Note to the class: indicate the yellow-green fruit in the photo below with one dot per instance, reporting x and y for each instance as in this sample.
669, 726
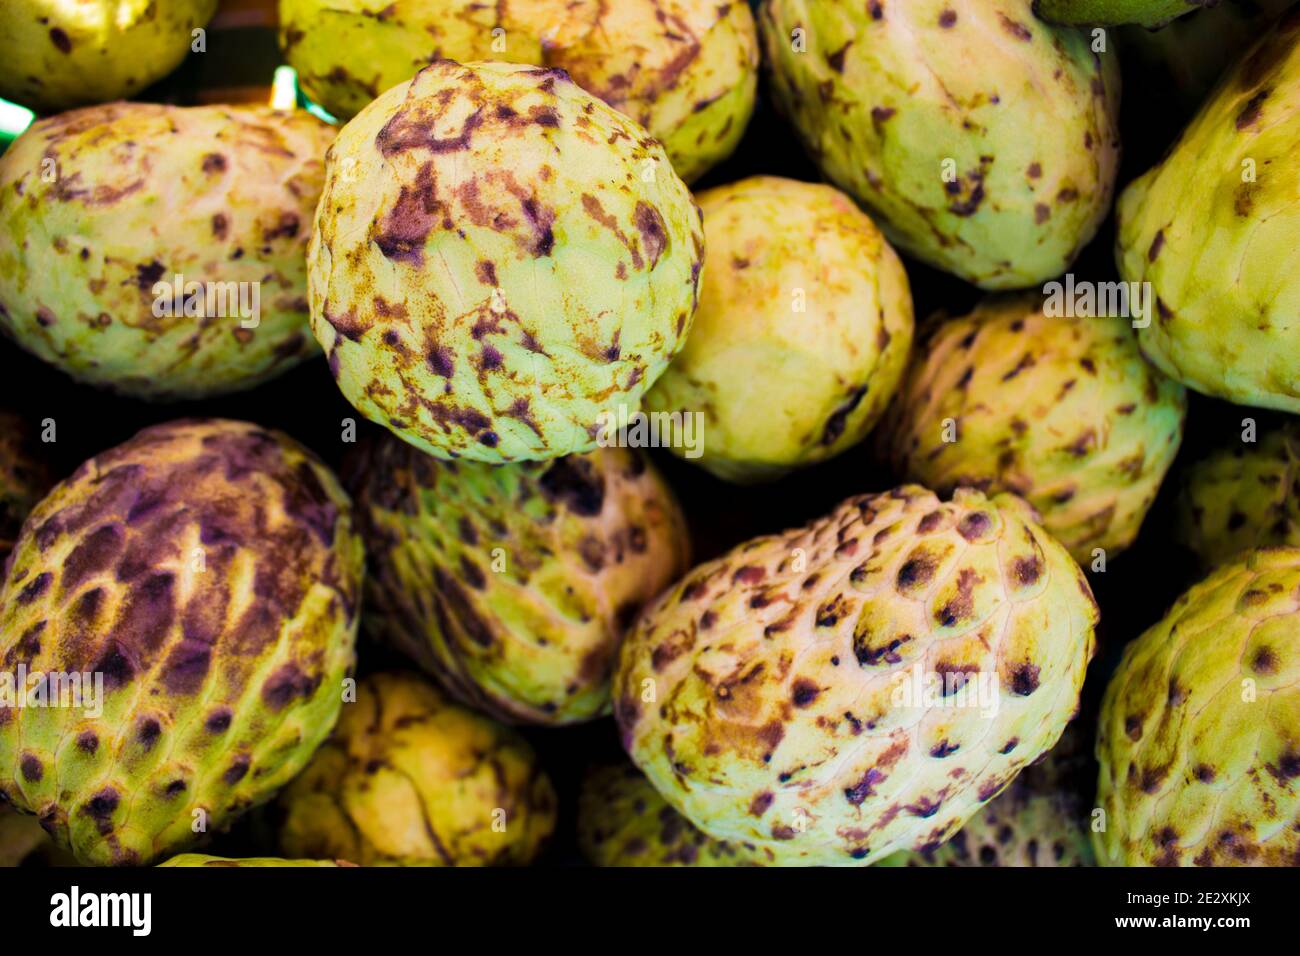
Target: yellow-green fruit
55, 54
513, 584
861, 685
1213, 230
686, 70
411, 779
500, 263
1062, 411
801, 336
1040, 820
623, 821
159, 250
24, 479
1108, 13
930, 113
1199, 738
198, 586
257, 862
1241, 497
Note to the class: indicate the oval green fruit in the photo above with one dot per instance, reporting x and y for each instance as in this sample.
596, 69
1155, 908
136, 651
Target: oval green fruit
500, 261
929, 112
802, 333
201, 585
1213, 230
686, 70
56, 54
1110, 13
861, 685
159, 250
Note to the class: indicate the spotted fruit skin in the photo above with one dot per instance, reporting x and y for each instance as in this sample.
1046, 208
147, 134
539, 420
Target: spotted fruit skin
1041, 820
772, 695
923, 110
410, 778
623, 821
208, 571
1220, 257
686, 70
1062, 411
24, 478
514, 584
1241, 497
802, 333
56, 54
499, 260
1199, 736
256, 862
1109, 13
102, 208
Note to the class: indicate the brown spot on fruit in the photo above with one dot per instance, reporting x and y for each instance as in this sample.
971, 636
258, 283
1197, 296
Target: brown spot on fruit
60, 39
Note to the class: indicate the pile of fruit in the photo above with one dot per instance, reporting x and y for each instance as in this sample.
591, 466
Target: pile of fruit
521, 444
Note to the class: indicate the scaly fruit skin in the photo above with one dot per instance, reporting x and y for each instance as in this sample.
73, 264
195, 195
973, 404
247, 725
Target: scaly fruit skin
686, 70
781, 388
772, 695
1220, 256
1040, 820
255, 862
208, 571
623, 821
411, 779
513, 585
500, 259
1061, 411
56, 54
100, 210
1199, 737
887, 97
1110, 13
24, 479
1242, 497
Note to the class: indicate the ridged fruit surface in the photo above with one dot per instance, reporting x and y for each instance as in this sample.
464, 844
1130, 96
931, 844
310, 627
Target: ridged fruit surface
514, 584
24, 478
410, 778
1199, 737
207, 571
500, 259
801, 336
1062, 411
623, 821
931, 112
1213, 229
686, 70
101, 209
56, 54
861, 685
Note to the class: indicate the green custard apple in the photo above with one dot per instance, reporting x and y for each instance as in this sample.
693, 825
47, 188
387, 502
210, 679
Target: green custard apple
932, 114
195, 591
623, 821
1199, 737
1041, 819
514, 584
160, 250
1061, 411
56, 54
24, 478
1213, 230
412, 779
686, 70
864, 684
1109, 13
1242, 497
198, 859
500, 263
802, 333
